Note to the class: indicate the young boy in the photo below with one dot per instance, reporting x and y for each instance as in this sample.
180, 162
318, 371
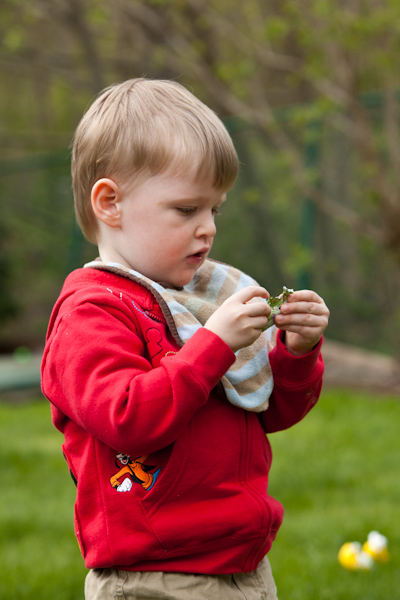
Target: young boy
158, 370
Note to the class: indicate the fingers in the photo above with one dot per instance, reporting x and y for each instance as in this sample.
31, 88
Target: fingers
252, 305
310, 330
241, 318
248, 293
255, 309
258, 323
249, 303
304, 317
303, 307
307, 296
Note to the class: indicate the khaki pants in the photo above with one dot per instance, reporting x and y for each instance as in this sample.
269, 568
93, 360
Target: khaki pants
109, 584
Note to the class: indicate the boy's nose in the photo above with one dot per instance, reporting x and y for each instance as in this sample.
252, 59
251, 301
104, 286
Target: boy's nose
207, 227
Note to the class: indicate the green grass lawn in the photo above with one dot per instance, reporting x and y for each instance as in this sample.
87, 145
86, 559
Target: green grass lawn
39, 556
337, 474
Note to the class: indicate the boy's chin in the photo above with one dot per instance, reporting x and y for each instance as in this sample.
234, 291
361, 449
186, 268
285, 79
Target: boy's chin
178, 282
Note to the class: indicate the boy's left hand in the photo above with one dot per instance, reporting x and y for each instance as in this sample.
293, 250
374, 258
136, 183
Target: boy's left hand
304, 318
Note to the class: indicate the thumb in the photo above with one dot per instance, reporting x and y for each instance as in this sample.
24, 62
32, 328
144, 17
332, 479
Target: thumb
249, 293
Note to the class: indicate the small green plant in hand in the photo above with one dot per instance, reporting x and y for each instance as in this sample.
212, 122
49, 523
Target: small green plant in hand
275, 303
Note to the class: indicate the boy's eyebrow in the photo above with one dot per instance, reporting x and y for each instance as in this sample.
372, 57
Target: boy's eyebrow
185, 198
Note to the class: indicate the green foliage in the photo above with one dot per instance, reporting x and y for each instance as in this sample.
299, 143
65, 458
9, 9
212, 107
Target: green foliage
275, 302
298, 73
299, 260
276, 29
40, 244
8, 304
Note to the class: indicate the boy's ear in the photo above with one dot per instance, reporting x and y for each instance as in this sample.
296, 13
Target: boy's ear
106, 198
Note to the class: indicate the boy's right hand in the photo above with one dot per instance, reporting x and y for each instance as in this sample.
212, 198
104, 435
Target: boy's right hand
241, 318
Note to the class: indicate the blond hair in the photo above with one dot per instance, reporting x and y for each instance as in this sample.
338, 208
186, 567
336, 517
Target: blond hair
142, 127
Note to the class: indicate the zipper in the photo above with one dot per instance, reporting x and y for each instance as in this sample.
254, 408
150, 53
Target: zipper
147, 313
155, 317
260, 499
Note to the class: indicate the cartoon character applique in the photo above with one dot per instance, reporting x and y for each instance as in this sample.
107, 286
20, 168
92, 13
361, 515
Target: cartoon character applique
135, 471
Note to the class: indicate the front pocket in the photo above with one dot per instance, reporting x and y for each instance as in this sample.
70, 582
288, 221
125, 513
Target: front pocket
78, 532
77, 525
199, 495
169, 478
70, 466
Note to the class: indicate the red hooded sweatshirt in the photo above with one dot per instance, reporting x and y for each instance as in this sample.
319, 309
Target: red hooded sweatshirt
170, 476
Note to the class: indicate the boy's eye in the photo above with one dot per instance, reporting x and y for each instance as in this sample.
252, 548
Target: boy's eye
186, 210
190, 210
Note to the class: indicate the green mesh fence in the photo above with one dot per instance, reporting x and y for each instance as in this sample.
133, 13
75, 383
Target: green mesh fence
267, 229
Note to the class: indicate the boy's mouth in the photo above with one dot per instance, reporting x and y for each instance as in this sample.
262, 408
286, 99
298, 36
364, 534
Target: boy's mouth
198, 256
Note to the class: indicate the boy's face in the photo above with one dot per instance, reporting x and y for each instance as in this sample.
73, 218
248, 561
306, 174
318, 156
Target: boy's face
167, 227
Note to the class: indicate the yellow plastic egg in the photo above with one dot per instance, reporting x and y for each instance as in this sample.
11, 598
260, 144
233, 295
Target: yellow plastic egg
377, 547
351, 556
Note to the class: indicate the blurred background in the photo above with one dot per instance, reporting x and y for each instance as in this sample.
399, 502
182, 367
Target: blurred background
308, 90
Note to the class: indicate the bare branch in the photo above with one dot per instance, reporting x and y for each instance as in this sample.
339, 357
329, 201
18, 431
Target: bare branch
261, 115
392, 120
75, 15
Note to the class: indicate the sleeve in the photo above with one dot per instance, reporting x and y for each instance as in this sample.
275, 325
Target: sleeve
297, 386
95, 372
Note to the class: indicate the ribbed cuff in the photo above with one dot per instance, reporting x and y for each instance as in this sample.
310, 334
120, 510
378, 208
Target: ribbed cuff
295, 369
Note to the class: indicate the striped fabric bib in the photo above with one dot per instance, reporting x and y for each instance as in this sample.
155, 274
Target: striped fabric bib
248, 383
